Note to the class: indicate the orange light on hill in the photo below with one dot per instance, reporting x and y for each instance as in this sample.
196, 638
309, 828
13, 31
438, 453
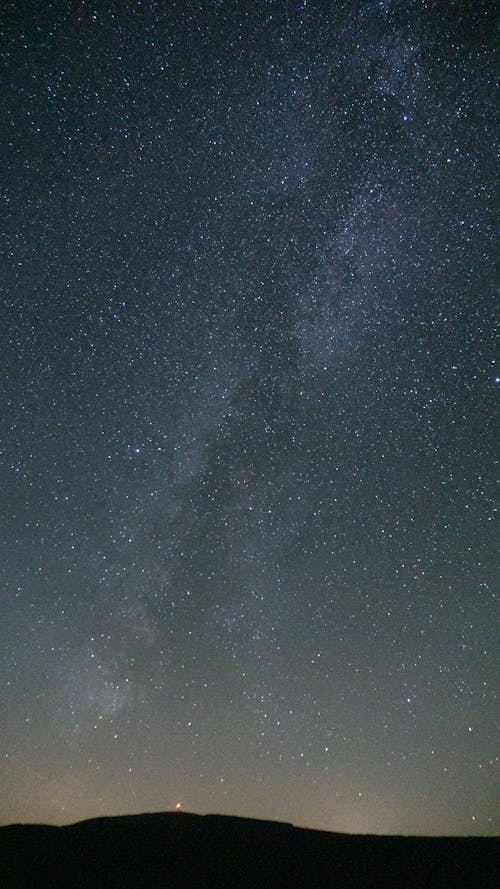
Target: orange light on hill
177, 806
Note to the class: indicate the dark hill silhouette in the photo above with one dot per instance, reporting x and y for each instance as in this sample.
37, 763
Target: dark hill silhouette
177, 850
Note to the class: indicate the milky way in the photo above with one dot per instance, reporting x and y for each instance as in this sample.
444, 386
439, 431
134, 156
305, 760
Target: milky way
248, 474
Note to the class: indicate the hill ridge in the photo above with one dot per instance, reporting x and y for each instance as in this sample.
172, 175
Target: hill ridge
166, 850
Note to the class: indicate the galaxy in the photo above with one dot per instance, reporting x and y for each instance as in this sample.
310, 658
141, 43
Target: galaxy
249, 390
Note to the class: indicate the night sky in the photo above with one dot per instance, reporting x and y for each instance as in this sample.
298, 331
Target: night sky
248, 401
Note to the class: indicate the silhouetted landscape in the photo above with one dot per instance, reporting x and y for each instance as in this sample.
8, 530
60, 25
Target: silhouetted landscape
170, 850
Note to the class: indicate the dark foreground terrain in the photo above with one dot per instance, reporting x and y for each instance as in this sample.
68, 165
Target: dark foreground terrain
183, 851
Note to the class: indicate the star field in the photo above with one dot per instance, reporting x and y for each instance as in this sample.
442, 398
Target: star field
248, 450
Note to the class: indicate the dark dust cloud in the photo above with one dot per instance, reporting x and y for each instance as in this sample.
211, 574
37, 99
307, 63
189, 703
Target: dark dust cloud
248, 412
